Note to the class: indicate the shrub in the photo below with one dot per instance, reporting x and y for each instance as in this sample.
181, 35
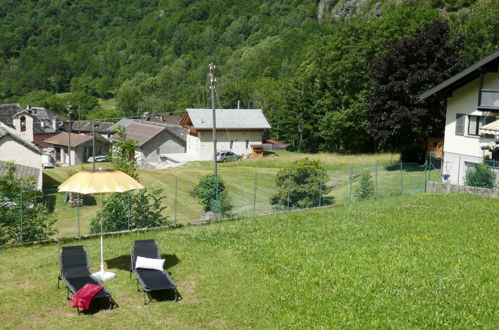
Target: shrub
412, 154
365, 190
143, 209
301, 185
37, 224
482, 176
212, 194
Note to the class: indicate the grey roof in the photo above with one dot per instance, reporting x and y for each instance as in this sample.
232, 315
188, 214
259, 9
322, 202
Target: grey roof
141, 132
174, 129
7, 111
122, 122
42, 119
464, 76
22, 171
86, 126
167, 119
228, 118
4, 132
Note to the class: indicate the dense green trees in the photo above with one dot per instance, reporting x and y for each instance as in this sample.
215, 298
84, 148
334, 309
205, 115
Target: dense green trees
309, 76
396, 115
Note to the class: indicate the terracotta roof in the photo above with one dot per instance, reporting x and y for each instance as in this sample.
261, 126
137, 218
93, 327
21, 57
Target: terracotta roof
62, 139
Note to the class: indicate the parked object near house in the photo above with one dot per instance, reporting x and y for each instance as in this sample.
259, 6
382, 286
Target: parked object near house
237, 130
435, 148
48, 161
227, 156
24, 154
81, 147
275, 145
154, 141
471, 125
256, 151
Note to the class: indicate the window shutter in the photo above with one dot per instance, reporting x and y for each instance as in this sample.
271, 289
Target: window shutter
460, 124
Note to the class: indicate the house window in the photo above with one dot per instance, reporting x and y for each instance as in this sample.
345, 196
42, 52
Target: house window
460, 123
247, 144
470, 166
475, 122
231, 144
23, 123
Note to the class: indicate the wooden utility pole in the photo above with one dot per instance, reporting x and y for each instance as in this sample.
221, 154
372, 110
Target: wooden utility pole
213, 82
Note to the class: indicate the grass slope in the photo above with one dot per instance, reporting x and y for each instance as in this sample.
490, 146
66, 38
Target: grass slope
241, 178
416, 261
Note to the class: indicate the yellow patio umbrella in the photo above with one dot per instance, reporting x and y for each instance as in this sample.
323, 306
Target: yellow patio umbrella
98, 182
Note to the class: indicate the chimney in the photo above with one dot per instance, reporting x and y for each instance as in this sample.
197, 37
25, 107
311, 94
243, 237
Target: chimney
42, 123
54, 124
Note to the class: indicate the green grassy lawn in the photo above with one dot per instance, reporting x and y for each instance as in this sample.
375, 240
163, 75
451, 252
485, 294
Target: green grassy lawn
250, 184
414, 261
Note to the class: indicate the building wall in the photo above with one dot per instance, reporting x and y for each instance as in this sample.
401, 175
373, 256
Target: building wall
12, 150
28, 133
38, 138
163, 143
81, 153
462, 152
201, 146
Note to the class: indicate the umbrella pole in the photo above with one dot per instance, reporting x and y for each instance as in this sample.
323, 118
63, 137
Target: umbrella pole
101, 248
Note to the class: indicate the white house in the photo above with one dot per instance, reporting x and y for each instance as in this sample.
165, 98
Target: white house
81, 147
23, 153
236, 130
471, 125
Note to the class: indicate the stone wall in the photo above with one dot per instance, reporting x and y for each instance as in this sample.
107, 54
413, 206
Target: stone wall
441, 187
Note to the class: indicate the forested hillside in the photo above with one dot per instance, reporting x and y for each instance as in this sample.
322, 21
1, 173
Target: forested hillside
310, 65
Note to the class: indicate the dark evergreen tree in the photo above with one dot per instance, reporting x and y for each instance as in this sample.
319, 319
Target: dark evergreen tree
397, 117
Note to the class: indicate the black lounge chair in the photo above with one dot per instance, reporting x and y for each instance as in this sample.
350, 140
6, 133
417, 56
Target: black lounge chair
75, 272
150, 280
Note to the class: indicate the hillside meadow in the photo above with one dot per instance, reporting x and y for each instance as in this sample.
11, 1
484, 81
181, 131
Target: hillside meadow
250, 184
415, 261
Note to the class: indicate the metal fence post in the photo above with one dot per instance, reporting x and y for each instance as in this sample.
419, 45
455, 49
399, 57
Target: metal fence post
289, 186
78, 213
129, 210
459, 170
21, 213
320, 189
401, 178
376, 181
254, 193
175, 205
350, 183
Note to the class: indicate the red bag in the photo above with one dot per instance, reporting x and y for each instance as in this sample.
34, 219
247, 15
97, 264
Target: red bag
84, 296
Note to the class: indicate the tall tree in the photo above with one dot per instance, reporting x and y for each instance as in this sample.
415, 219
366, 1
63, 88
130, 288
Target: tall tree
397, 117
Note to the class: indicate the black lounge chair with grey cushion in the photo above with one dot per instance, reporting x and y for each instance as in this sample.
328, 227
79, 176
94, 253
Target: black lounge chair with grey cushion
150, 280
75, 272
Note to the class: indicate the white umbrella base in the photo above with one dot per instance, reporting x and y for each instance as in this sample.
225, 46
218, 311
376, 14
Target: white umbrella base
103, 276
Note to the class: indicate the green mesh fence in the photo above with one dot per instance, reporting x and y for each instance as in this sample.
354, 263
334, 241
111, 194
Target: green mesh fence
250, 193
